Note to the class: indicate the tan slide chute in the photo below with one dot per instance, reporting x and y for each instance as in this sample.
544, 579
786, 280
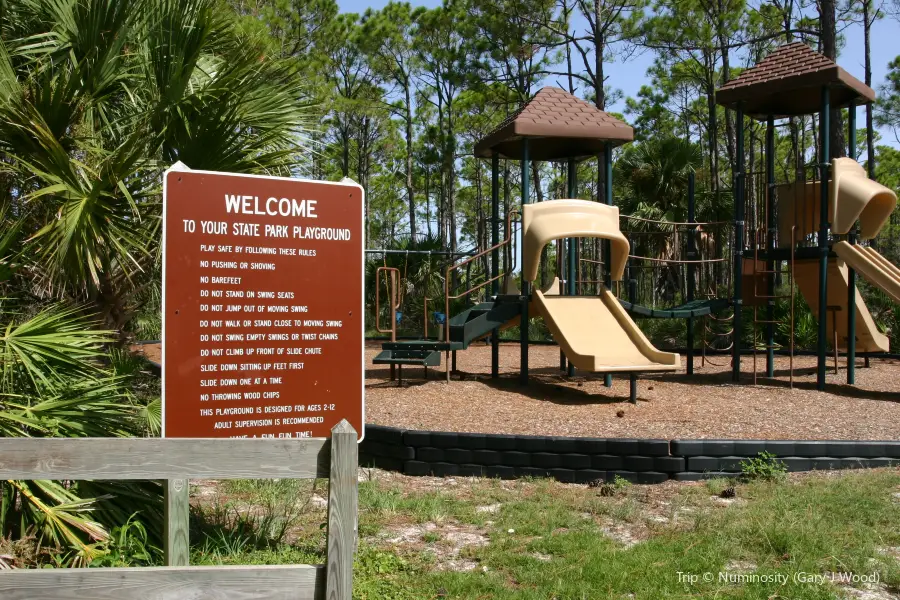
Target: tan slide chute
595, 333
871, 265
547, 221
806, 276
852, 196
598, 336
881, 260
855, 196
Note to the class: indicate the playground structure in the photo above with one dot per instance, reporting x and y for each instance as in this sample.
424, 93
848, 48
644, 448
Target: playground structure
803, 233
568, 129
810, 224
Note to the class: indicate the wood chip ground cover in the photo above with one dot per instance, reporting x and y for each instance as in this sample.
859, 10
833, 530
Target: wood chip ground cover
706, 405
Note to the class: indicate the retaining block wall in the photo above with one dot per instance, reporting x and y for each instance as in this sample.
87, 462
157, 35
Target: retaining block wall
582, 460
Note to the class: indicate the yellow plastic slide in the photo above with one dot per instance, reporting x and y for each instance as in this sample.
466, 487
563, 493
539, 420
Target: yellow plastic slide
806, 276
598, 336
596, 333
855, 196
882, 261
852, 196
871, 265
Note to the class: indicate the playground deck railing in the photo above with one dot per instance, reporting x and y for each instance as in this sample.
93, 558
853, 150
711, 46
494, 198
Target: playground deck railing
508, 242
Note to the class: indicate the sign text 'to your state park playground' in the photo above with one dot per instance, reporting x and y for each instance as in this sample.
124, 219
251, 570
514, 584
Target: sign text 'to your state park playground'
262, 305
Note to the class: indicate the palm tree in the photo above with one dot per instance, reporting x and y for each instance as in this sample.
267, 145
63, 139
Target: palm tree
97, 98
652, 176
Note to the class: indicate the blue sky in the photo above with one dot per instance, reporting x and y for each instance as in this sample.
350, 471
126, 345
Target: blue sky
631, 75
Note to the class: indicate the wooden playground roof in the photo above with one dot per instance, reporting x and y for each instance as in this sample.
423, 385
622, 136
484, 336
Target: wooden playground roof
789, 81
567, 126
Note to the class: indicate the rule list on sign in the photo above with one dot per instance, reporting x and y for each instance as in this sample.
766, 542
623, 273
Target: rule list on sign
262, 306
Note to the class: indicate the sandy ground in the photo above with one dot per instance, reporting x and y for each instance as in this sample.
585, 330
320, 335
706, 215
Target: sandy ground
706, 405
153, 352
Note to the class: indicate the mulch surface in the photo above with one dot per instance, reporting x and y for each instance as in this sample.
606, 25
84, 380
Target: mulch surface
705, 405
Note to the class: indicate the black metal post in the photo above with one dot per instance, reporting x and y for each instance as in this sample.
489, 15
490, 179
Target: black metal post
495, 257
851, 275
738, 249
770, 246
572, 259
691, 269
607, 166
632, 388
824, 131
523, 325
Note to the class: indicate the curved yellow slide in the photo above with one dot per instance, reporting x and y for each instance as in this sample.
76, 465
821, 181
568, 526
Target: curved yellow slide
598, 336
874, 267
855, 196
547, 221
852, 196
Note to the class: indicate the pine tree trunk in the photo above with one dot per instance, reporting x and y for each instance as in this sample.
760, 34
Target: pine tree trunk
410, 191
870, 138
828, 31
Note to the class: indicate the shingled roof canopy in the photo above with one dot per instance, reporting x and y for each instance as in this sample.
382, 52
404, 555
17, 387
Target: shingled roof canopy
568, 127
788, 82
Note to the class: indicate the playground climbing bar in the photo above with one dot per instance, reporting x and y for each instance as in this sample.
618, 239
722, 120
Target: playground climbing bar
495, 255
770, 247
571, 255
691, 270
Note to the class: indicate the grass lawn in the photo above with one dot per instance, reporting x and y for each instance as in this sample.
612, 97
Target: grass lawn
477, 538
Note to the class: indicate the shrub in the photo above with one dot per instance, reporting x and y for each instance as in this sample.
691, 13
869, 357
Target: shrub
765, 466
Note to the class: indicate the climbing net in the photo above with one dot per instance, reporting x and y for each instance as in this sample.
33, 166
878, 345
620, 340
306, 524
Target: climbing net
674, 267
672, 260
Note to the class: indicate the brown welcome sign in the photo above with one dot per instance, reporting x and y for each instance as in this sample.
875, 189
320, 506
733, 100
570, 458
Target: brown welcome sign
262, 305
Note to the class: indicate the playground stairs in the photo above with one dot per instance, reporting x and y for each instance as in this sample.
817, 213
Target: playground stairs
466, 327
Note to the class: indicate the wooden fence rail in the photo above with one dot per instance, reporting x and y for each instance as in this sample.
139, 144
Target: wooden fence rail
177, 461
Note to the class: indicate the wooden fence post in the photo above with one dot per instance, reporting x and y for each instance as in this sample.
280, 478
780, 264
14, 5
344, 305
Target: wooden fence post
178, 509
342, 512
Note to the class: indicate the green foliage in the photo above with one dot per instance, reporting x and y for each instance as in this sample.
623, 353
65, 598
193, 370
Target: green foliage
654, 178
888, 108
57, 380
554, 540
97, 98
765, 467
380, 574
127, 546
229, 527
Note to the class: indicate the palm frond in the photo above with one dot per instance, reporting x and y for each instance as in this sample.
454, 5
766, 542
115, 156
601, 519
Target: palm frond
50, 348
